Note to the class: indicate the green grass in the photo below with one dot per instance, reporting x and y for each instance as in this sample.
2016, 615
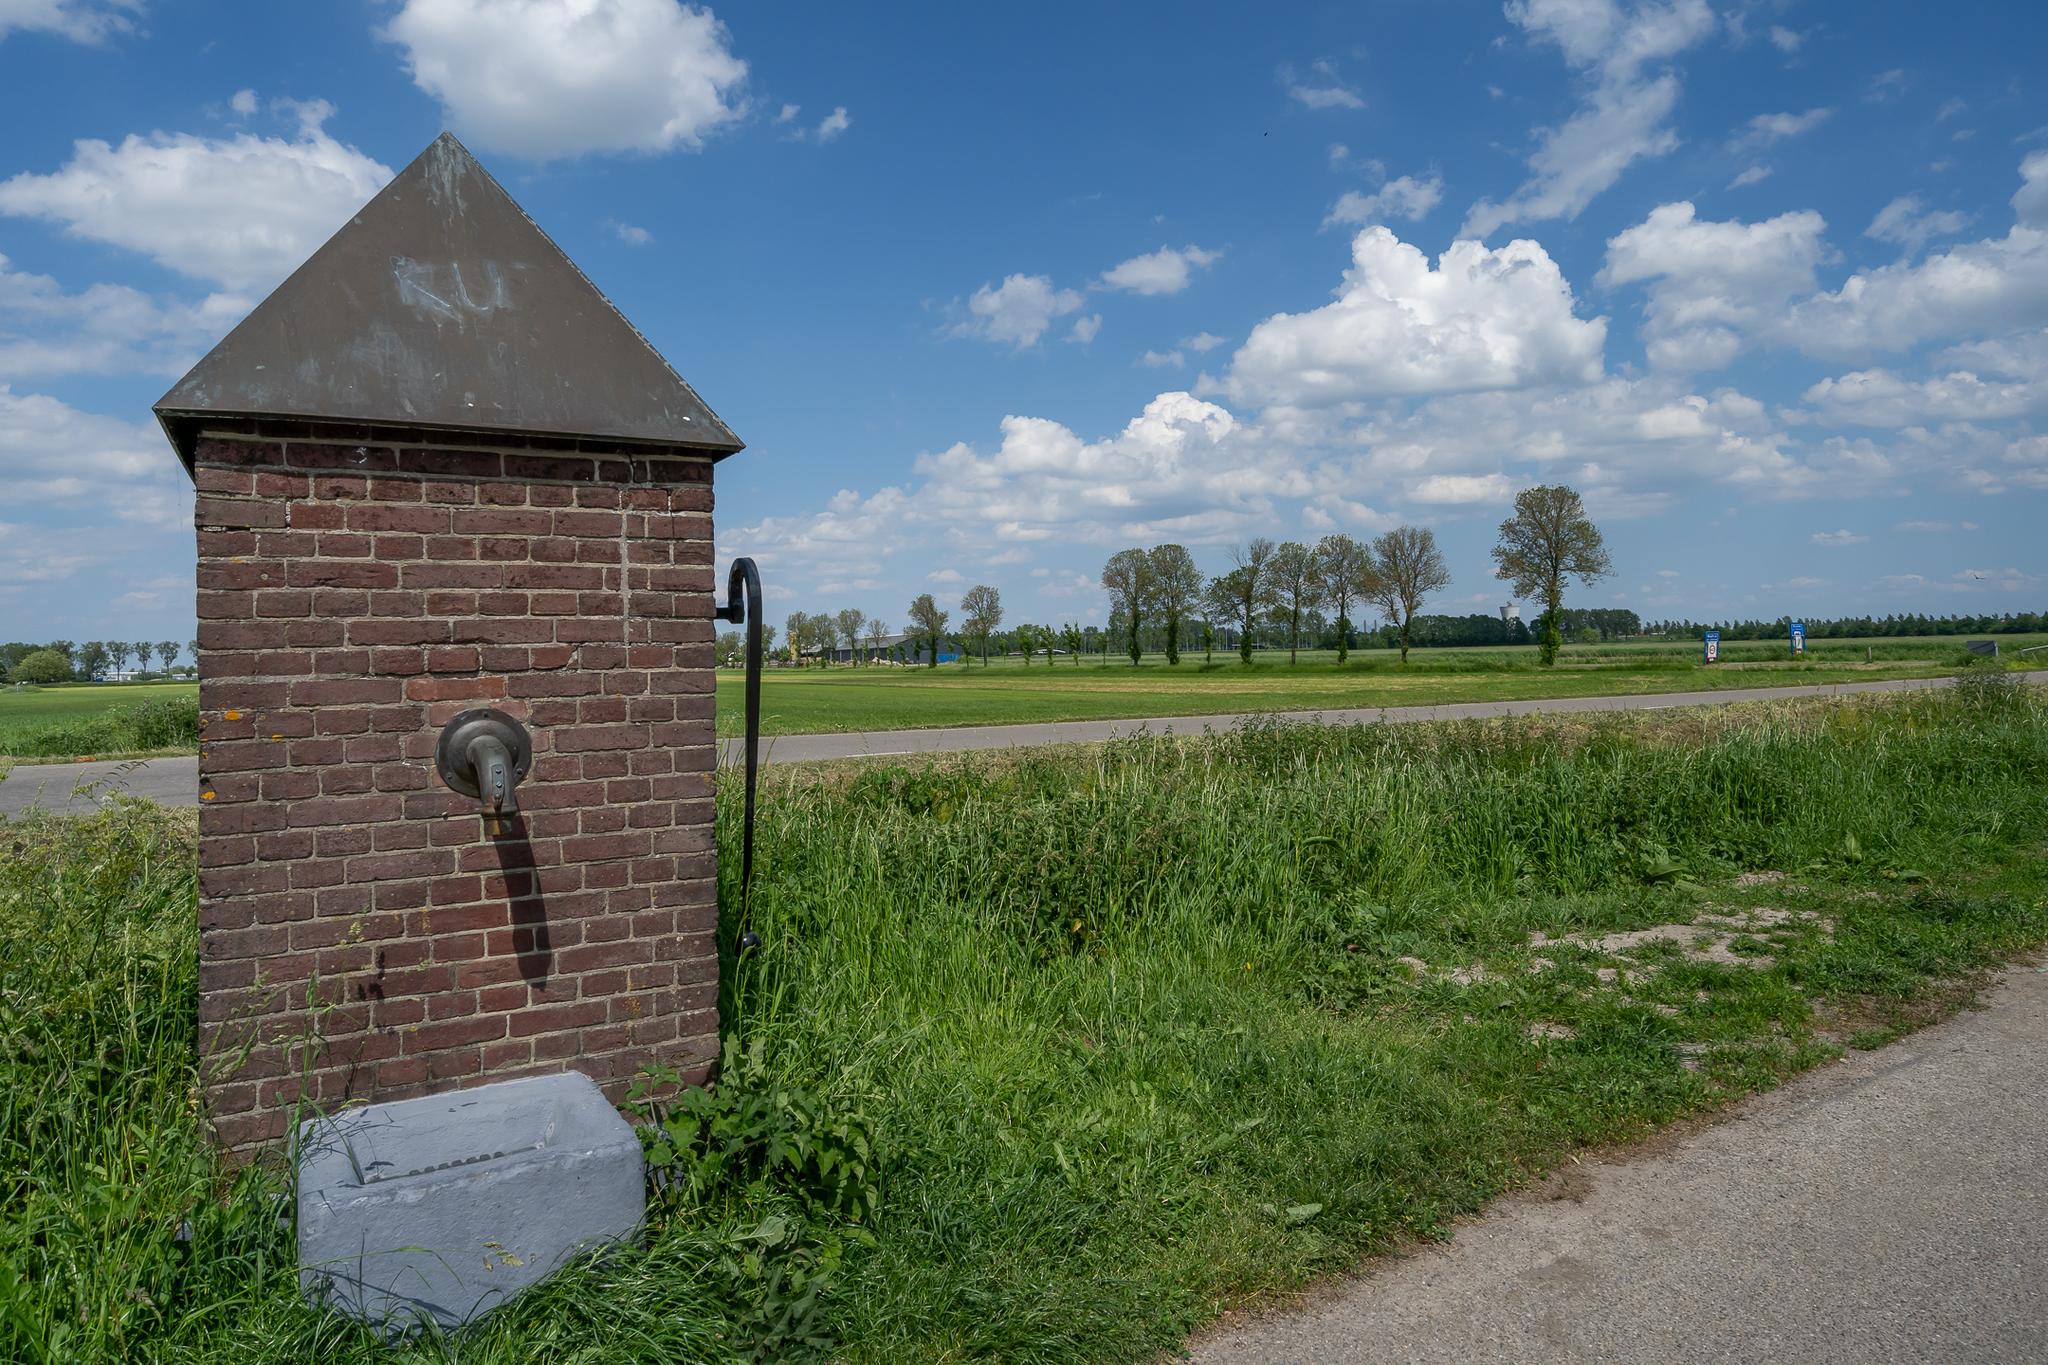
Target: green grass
98, 720
1130, 1026
815, 700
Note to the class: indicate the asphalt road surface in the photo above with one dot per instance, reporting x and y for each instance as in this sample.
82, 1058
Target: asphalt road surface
175, 781
1891, 1207
76, 787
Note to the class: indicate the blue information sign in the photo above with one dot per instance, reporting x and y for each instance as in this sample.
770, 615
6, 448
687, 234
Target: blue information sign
1798, 638
1713, 645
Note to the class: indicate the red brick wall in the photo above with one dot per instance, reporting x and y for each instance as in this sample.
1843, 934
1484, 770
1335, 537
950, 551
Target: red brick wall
359, 934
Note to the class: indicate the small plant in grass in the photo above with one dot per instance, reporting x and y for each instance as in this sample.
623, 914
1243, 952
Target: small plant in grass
795, 1175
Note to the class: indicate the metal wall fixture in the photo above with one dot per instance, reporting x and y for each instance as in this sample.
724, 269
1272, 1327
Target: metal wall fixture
486, 754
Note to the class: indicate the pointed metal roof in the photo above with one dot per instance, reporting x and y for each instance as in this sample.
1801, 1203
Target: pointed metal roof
441, 304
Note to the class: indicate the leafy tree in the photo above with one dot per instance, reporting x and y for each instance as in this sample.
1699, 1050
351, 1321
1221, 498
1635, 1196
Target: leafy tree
1238, 595
928, 621
167, 651
1176, 591
981, 611
1546, 541
767, 641
43, 666
793, 633
877, 633
1344, 568
93, 660
143, 649
193, 645
1026, 638
1406, 568
729, 649
1127, 578
64, 647
1292, 590
117, 650
1070, 636
850, 621
823, 634
1208, 643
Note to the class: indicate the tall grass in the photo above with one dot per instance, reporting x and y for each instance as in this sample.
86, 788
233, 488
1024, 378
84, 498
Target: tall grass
160, 723
1129, 1025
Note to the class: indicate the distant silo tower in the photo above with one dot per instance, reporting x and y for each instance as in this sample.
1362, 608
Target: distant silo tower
1510, 613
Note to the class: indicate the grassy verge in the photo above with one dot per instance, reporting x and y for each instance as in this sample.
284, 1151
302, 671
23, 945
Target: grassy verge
106, 721
1107, 1039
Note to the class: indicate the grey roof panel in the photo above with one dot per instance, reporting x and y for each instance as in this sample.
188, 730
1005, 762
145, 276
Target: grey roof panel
441, 304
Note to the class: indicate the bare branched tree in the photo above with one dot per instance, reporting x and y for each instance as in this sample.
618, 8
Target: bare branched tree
1406, 567
1238, 595
1292, 590
1344, 568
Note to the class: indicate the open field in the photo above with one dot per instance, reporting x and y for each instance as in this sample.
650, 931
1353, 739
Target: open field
101, 720
1111, 1038
816, 700
71, 722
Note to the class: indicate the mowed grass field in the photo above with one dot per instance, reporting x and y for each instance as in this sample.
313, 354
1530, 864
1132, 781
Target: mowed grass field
1099, 1041
71, 721
842, 698
99, 720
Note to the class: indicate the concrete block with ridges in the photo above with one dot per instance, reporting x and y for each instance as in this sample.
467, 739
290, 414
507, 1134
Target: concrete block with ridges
442, 1208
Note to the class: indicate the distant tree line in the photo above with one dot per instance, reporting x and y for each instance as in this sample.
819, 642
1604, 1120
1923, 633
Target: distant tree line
1289, 595
1854, 627
91, 661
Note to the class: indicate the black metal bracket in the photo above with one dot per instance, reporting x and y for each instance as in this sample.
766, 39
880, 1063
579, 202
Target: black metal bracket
743, 607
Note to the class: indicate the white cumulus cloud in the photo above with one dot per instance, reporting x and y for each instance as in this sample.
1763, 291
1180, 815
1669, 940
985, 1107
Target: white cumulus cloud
103, 329
1836, 539
554, 78
1712, 283
1165, 271
243, 211
54, 454
1911, 224
82, 21
1405, 197
1481, 319
1017, 311
1985, 286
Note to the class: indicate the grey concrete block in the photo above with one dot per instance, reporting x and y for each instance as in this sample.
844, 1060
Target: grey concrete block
443, 1208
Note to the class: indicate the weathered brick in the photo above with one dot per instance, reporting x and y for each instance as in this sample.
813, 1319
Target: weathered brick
353, 598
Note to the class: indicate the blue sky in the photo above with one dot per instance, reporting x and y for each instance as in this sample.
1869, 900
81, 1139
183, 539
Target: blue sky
993, 293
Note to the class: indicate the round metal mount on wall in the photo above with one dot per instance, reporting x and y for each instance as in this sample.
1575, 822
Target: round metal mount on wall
452, 755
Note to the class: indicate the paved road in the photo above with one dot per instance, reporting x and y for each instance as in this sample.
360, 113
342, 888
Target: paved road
1890, 1207
75, 786
175, 782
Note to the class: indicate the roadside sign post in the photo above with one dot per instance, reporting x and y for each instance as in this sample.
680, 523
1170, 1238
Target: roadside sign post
1713, 649
1798, 638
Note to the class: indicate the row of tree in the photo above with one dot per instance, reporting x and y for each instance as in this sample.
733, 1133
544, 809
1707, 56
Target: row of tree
1159, 596
68, 661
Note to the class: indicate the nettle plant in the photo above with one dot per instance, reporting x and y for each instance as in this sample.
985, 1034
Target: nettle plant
794, 1175
751, 1136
